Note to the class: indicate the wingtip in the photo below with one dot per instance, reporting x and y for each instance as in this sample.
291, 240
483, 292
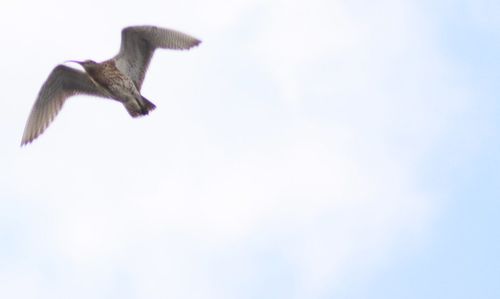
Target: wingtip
195, 43
25, 142
28, 138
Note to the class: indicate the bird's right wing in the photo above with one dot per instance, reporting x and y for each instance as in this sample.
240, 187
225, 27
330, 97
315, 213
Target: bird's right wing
138, 45
62, 83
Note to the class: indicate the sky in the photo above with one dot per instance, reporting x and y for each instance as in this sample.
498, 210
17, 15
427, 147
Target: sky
305, 150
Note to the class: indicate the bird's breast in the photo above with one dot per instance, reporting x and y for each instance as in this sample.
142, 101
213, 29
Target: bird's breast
112, 79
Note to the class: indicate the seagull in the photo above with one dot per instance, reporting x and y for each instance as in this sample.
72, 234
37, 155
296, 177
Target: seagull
119, 78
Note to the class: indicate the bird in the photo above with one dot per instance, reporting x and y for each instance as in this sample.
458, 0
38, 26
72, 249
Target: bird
119, 78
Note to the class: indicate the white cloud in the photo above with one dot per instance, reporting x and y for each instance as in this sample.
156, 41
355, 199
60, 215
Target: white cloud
301, 138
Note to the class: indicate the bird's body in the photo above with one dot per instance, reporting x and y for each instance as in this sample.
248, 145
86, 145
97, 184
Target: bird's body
119, 78
119, 86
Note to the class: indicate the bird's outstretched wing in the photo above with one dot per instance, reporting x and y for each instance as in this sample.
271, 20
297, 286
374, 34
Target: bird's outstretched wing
138, 45
62, 83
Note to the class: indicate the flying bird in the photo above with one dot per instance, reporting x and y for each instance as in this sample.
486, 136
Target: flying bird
119, 78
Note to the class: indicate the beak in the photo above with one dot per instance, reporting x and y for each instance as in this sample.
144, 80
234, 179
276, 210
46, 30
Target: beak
75, 61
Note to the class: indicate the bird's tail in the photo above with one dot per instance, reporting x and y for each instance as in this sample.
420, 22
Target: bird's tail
147, 106
139, 108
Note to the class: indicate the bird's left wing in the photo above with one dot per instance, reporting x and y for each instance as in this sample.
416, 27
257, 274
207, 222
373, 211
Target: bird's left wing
139, 43
62, 83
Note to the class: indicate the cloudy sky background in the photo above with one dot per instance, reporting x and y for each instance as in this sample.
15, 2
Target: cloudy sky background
319, 149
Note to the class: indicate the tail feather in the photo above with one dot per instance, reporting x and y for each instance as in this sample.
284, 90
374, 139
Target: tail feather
139, 108
147, 106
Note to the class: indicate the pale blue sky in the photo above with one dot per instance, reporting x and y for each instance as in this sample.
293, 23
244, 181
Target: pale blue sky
462, 259
339, 149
